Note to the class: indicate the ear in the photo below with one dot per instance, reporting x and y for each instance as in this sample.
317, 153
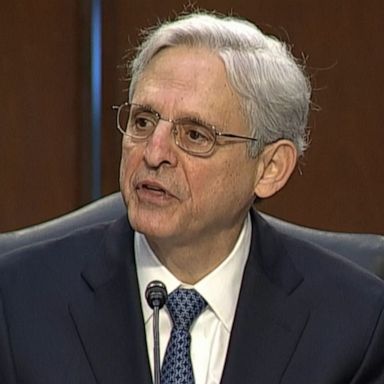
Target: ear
275, 165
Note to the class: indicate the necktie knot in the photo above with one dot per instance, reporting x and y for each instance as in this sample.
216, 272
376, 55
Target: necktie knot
184, 306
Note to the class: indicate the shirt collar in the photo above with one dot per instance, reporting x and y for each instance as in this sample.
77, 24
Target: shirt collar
220, 288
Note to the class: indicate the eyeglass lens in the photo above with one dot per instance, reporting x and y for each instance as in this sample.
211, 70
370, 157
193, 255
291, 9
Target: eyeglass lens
139, 123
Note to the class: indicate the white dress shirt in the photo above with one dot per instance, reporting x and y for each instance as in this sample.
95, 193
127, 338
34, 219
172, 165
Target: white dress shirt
211, 331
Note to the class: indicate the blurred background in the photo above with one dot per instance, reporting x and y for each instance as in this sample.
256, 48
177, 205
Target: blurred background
62, 68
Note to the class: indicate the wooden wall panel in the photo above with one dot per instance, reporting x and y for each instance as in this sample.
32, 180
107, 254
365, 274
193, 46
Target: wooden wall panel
40, 110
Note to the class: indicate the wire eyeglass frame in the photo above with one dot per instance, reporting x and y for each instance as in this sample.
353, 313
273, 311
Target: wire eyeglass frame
201, 142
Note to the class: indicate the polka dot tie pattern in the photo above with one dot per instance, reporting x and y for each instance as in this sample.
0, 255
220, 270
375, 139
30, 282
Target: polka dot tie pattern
184, 306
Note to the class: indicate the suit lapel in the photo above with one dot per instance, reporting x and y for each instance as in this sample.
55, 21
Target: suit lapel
269, 319
108, 316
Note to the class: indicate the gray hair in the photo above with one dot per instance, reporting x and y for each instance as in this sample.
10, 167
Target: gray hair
273, 90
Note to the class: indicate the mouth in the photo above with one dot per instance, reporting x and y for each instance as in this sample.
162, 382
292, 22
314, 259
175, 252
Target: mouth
152, 191
151, 187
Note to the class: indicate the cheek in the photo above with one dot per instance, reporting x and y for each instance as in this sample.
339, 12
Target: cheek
208, 183
231, 184
130, 159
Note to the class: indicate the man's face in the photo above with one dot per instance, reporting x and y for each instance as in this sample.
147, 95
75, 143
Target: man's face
170, 194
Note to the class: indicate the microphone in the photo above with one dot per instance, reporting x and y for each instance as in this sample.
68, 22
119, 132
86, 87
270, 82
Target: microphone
156, 295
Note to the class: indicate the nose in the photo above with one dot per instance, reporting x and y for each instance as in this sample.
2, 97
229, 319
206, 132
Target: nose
160, 148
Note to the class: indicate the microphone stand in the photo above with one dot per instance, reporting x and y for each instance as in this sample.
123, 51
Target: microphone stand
156, 343
156, 295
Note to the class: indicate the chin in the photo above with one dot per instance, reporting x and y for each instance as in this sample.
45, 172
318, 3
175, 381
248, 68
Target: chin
151, 224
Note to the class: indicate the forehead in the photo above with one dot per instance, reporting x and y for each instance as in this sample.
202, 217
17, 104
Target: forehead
185, 79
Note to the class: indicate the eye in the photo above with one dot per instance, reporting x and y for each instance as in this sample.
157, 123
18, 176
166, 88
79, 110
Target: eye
195, 134
143, 122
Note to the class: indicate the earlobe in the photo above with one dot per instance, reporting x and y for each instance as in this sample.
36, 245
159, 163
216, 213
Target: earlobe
276, 164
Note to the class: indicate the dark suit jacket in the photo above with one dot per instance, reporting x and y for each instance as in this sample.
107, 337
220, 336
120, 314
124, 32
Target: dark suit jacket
70, 313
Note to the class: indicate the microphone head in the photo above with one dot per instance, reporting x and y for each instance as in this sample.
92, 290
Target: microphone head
156, 294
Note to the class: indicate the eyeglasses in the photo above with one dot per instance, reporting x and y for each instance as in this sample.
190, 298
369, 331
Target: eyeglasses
190, 134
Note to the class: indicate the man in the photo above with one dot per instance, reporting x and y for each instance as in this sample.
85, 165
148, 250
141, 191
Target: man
216, 118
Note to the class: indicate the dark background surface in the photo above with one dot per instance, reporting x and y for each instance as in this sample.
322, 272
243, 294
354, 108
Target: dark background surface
45, 104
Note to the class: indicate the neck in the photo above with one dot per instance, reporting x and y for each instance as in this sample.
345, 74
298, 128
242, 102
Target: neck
191, 262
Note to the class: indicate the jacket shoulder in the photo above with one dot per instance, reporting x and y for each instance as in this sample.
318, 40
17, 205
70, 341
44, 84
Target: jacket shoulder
66, 255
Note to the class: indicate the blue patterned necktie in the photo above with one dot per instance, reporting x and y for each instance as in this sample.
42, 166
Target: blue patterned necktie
184, 305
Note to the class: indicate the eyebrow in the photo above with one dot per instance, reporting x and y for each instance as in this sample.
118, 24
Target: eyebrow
192, 116
146, 107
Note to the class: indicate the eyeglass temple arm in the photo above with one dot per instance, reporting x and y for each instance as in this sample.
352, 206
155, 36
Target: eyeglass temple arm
236, 136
